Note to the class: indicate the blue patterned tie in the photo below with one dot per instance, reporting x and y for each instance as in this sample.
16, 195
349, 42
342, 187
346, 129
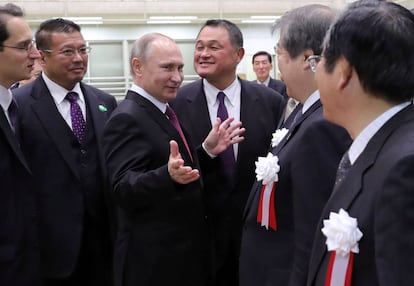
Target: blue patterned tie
78, 123
227, 159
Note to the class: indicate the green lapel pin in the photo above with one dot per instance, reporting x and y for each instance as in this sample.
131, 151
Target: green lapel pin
102, 108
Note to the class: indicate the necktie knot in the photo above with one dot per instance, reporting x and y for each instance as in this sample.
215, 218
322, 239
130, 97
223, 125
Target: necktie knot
220, 97
72, 97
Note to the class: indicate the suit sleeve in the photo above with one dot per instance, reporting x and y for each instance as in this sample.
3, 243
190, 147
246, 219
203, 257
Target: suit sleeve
137, 162
394, 225
318, 155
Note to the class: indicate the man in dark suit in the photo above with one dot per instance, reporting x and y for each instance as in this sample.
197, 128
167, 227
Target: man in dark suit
277, 236
367, 86
62, 143
218, 50
162, 237
262, 65
19, 257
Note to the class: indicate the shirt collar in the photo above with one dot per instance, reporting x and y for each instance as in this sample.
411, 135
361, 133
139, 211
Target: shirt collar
231, 91
5, 97
361, 141
266, 82
160, 105
314, 97
58, 92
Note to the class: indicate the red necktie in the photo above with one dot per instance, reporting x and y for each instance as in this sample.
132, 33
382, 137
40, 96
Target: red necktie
174, 121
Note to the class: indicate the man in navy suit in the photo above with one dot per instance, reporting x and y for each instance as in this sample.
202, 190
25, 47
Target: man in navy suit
218, 51
154, 171
366, 79
69, 171
262, 64
19, 257
277, 236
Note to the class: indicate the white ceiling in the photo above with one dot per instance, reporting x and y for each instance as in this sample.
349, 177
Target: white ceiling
138, 11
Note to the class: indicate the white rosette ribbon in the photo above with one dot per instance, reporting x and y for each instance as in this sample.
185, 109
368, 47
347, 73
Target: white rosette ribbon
342, 236
267, 169
278, 135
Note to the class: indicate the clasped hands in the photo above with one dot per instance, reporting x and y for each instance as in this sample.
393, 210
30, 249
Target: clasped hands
221, 136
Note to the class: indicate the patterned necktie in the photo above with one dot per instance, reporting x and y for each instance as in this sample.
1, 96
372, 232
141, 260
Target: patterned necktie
78, 123
343, 169
174, 121
227, 159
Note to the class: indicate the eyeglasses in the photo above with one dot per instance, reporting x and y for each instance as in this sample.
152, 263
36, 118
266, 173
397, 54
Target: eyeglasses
28, 46
72, 52
313, 61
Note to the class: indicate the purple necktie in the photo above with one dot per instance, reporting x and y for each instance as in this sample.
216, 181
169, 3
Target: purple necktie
174, 121
227, 156
78, 123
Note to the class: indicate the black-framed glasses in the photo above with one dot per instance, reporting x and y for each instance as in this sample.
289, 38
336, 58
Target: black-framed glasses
313, 61
69, 52
27, 46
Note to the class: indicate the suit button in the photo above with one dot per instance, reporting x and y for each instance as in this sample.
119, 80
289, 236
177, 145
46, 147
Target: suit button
83, 151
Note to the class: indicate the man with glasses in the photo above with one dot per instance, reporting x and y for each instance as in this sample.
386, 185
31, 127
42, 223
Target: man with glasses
19, 258
366, 81
61, 127
277, 235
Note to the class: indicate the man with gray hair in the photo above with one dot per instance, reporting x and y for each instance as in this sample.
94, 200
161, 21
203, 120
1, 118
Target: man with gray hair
280, 216
162, 237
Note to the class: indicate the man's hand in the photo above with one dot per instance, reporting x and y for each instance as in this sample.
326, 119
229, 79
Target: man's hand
178, 172
222, 135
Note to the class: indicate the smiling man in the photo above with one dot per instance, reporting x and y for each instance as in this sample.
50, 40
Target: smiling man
61, 126
218, 51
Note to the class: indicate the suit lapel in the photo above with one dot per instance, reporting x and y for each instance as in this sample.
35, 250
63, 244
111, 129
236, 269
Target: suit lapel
198, 109
163, 122
351, 186
53, 122
292, 131
99, 114
11, 138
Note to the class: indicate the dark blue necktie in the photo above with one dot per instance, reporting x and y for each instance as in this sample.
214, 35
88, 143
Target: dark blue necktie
78, 123
226, 158
13, 115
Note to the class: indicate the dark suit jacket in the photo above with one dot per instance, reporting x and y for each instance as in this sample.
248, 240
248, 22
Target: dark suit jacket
48, 144
19, 258
261, 109
308, 158
162, 232
378, 192
278, 86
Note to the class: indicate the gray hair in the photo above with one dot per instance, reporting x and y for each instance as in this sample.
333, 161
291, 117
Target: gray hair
304, 28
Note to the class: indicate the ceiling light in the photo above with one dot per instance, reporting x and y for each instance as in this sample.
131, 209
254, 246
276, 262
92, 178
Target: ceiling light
173, 18
168, 22
270, 17
257, 21
86, 20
